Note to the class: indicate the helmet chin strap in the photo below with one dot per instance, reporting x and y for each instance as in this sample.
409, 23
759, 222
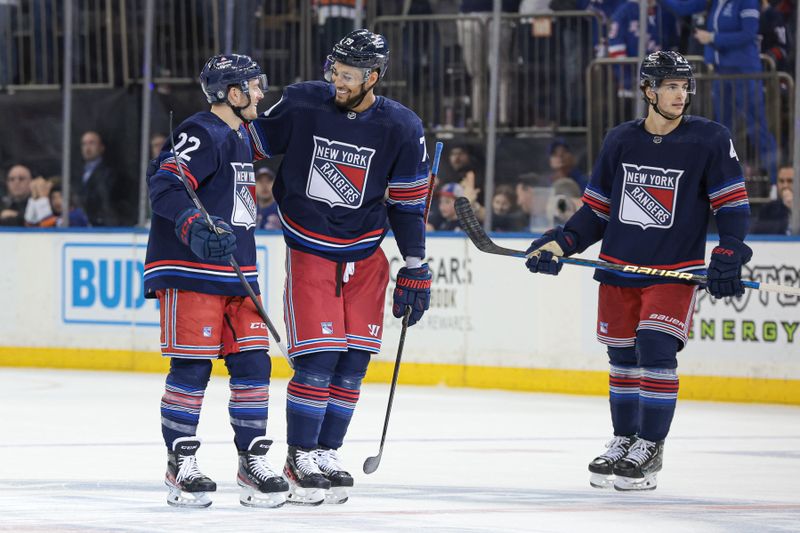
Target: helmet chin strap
238, 110
685, 107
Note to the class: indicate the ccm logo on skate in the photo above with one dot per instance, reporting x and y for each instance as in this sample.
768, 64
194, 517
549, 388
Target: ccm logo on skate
102, 284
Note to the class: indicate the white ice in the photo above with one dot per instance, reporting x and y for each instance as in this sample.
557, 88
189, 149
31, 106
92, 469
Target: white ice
82, 451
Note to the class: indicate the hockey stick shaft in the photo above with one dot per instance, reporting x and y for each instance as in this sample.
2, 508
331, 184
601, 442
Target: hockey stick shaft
371, 463
234, 264
484, 243
437, 156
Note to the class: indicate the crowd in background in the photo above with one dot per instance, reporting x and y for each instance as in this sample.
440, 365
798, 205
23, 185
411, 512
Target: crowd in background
529, 201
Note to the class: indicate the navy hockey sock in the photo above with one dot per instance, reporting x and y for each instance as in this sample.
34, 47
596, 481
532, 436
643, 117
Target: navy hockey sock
623, 397
657, 399
345, 389
342, 403
306, 402
249, 403
183, 398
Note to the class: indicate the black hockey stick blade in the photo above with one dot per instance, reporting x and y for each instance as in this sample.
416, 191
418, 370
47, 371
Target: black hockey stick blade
475, 232
371, 463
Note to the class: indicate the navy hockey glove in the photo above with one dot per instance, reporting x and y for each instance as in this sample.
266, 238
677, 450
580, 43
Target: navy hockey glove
725, 267
413, 289
193, 230
555, 242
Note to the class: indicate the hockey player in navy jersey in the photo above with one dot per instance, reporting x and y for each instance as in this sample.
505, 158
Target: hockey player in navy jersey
205, 311
648, 200
343, 148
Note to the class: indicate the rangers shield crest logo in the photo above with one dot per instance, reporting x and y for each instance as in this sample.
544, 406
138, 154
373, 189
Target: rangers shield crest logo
648, 196
244, 195
338, 173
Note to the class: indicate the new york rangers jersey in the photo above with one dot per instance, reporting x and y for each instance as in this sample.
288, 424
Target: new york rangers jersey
218, 163
332, 183
650, 196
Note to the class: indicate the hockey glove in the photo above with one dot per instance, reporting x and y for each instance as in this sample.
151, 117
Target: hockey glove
413, 289
554, 243
725, 267
194, 231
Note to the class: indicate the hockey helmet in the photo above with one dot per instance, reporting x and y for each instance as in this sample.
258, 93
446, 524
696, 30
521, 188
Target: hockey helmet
665, 65
361, 49
222, 71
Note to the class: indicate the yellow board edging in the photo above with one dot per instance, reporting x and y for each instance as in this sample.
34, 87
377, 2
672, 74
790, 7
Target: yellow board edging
731, 389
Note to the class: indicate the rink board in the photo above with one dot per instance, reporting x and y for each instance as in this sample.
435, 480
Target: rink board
74, 300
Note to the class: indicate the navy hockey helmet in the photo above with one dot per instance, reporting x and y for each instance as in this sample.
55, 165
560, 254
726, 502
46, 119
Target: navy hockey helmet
361, 49
222, 71
665, 65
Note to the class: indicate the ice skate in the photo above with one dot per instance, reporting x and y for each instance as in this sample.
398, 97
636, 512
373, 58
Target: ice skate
307, 484
602, 467
638, 469
187, 485
331, 467
261, 485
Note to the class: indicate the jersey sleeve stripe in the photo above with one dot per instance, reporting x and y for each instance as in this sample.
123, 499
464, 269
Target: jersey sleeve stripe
731, 195
168, 165
600, 204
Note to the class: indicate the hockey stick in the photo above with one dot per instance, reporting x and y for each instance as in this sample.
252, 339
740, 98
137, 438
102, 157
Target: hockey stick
475, 232
371, 463
234, 264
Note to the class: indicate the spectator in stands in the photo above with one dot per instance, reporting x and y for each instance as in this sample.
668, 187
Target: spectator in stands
774, 216
97, 181
46, 206
18, 192
776, 37
157, 141
38, 207
623, 40
473, 37
465, 170
506, 215
731, 46
564, 164
267, 207
533, 192
447, 195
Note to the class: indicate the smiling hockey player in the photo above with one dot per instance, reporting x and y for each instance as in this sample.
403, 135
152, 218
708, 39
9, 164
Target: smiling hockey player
343, 148
205, 311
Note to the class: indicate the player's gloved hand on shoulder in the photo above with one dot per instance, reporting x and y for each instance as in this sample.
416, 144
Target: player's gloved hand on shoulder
193, 230
554, 243
725, 267
413, 289
152, 167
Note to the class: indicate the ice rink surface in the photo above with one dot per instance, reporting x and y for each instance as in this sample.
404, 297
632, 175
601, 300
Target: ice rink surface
82, 451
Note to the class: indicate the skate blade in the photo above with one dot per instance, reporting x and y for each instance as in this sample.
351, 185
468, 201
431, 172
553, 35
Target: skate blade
601, 481
179, 498
300, 496
629, 484
336, 495
252, 498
